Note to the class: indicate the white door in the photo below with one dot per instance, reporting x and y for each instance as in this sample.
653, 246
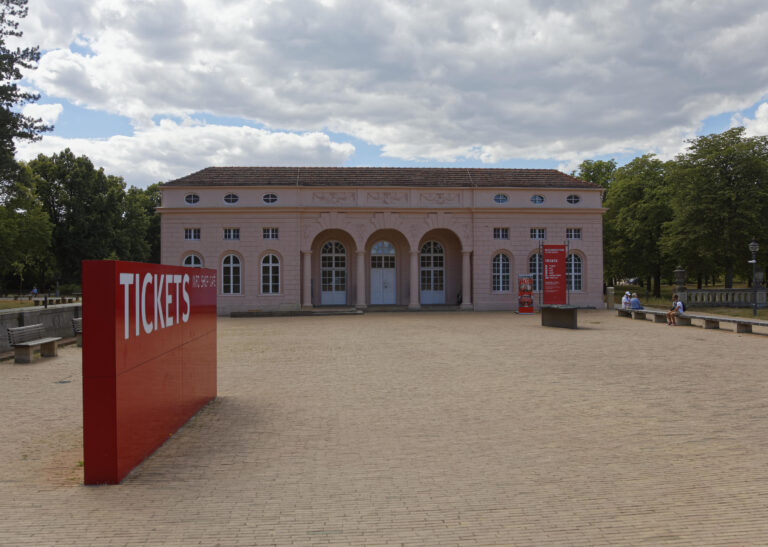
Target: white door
333, 274
383, 288
432, 273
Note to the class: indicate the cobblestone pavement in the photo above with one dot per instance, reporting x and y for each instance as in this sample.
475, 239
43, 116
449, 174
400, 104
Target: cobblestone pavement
418, 429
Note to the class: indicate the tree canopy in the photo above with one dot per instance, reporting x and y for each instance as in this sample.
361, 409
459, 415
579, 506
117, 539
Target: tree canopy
13, 124
698, 211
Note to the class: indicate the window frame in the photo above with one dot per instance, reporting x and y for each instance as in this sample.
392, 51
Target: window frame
573, 233
536, 270
501, 280
268, 276
232, 232
537, 199
227, 287
196, 257
267, 232
501, 233
192, 198
571, 276
573, 199
229, 195
195, 234
500, 199
534, 234
269, 198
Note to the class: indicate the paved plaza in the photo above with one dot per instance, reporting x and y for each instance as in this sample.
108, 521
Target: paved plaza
417, 429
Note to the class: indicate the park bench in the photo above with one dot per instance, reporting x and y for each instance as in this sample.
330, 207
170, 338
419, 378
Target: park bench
25, 339
743, 325
77, 326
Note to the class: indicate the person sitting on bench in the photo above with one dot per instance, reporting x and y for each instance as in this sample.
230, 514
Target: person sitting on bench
634, 302
677, 309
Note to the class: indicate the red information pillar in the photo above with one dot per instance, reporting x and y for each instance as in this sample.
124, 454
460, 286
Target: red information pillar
525, 293
149, 359
554, 274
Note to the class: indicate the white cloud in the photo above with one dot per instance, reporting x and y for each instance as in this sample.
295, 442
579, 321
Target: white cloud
170, 150
49, 113
756, 126
435, 80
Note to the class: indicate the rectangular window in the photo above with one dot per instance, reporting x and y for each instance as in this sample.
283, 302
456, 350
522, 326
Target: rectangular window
538, 233
501, 233
191, 233
231, 233
269, 233
573, 233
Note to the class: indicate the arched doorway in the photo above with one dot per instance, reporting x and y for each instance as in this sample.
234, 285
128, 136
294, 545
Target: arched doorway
383, 273
333, 274
432, 273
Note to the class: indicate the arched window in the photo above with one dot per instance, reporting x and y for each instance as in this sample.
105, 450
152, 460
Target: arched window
501, 273
573, 272
193, 261
535, 268
270, 274
230, 275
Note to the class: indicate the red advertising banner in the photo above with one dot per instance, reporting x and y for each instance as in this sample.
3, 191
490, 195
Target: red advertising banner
554, 274
149, 359
525, 293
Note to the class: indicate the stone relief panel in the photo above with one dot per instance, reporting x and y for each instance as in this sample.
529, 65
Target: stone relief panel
440, 199
334, 198
387, 198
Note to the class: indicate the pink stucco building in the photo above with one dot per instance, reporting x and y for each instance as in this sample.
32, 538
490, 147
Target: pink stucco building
291, 238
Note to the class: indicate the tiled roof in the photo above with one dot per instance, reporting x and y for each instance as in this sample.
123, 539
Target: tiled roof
380, 176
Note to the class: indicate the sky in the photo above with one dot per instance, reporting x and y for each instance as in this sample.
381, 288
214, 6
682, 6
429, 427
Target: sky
153, 90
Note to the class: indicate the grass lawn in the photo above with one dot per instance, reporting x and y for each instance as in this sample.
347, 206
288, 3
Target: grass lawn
10, 304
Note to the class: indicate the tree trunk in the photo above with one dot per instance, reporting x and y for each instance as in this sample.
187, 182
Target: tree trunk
729, 276
698, 282
657, 284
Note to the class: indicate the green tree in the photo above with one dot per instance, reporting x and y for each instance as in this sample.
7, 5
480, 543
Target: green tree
638, 206
719, 199
25, 233
598, 171
13, 124
86, 207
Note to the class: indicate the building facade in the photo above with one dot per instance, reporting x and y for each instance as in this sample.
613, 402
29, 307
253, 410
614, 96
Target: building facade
288, 238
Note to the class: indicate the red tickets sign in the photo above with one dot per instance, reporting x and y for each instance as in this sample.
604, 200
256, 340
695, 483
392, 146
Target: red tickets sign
149, 359
525, 294
554, 274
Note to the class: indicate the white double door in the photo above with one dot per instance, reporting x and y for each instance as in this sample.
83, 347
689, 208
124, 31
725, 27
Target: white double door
383, 278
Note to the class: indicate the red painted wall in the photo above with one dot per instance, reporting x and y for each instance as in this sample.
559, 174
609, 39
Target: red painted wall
149, 359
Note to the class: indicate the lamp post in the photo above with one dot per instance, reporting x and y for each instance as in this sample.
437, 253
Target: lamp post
754, 247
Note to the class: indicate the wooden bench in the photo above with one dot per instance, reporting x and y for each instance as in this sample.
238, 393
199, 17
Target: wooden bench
77, 326
25, 339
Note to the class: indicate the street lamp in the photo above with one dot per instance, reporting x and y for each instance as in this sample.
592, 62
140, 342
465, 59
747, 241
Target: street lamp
754, 247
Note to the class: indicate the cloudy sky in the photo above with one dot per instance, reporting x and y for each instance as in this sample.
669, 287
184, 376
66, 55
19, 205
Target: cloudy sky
156, 89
